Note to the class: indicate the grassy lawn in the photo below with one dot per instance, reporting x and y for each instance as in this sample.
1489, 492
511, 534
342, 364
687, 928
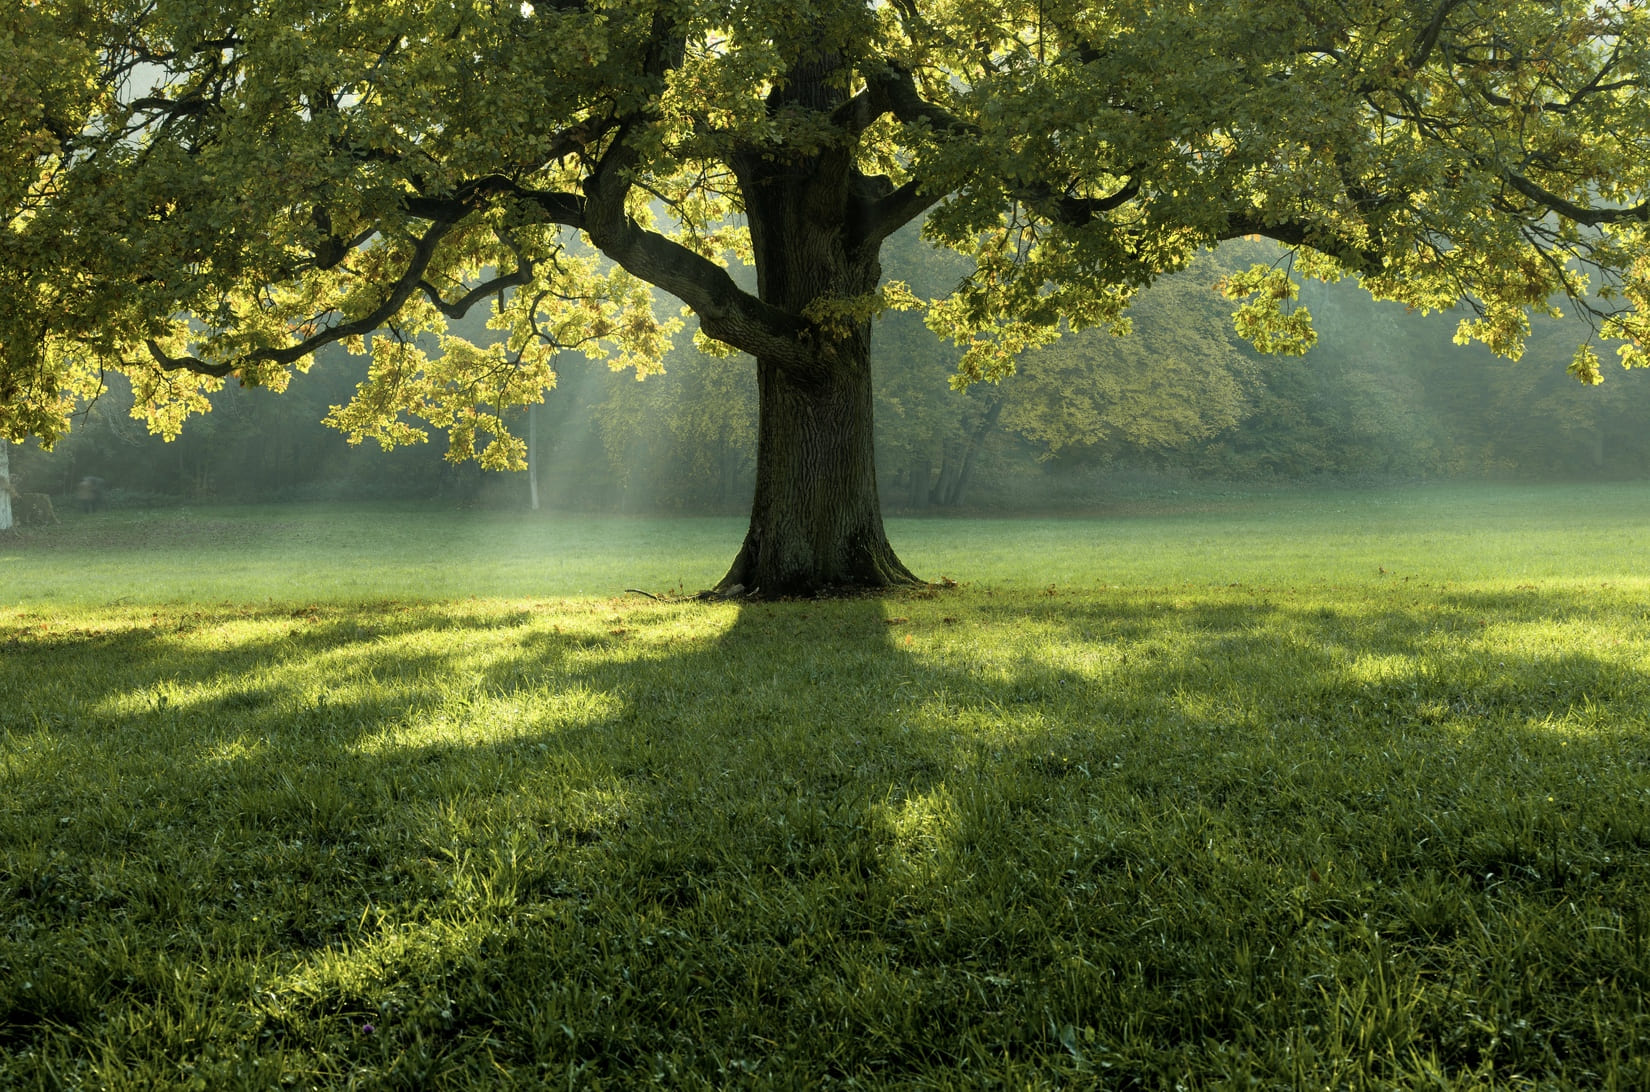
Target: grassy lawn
1270, 790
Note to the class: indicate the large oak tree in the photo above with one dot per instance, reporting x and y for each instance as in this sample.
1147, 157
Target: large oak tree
198, 189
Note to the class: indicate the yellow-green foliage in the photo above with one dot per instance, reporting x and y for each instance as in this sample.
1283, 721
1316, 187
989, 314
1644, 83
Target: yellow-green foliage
191, 191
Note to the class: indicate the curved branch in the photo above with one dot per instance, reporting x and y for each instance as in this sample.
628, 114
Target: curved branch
1077, 211
1572, 211
1298, 233
894, 90
409, 282
885, 214
459, 308
726, 311
522, 274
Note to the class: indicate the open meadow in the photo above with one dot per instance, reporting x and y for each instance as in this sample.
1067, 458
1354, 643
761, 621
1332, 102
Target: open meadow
1264, 790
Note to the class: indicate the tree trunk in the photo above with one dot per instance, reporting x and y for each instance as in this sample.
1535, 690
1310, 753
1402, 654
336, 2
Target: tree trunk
5, 484
532, 458
945, 486
816, 225
922, 478
816, 524
976, 441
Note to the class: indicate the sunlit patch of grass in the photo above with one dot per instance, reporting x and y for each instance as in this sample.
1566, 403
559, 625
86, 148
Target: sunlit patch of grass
1344, 831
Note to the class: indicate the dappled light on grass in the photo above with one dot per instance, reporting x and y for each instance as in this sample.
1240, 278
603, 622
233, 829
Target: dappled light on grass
1380, 670
1338, 834
240, 749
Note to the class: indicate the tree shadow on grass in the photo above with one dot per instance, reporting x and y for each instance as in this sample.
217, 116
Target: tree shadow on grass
868, 839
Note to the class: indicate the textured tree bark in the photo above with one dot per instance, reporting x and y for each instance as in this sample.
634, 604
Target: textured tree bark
816, 523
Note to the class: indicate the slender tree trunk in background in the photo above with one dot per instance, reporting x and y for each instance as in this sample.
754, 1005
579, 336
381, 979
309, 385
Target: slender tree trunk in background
922, 477
730, 464
5, 484
976, 441
949, 459
532, 458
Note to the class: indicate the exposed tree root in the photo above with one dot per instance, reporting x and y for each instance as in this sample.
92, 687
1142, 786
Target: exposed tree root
920, 588
737, 591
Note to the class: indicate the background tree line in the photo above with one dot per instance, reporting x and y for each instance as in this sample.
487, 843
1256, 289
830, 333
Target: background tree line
1382, 396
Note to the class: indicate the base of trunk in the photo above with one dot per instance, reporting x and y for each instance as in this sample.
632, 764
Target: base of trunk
782, 565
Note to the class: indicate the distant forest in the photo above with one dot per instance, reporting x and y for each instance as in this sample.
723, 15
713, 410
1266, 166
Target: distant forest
1384, 396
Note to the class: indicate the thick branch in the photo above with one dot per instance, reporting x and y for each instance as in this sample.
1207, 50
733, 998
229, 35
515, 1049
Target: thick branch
894, 90
1077, 211
726, 311
857, 114
1427, 40
886, 214
1296, 233
1572, 211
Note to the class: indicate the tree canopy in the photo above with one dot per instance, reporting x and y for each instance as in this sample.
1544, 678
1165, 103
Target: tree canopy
193, 190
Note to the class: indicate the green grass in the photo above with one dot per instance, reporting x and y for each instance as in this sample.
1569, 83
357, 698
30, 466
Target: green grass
1194, 795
